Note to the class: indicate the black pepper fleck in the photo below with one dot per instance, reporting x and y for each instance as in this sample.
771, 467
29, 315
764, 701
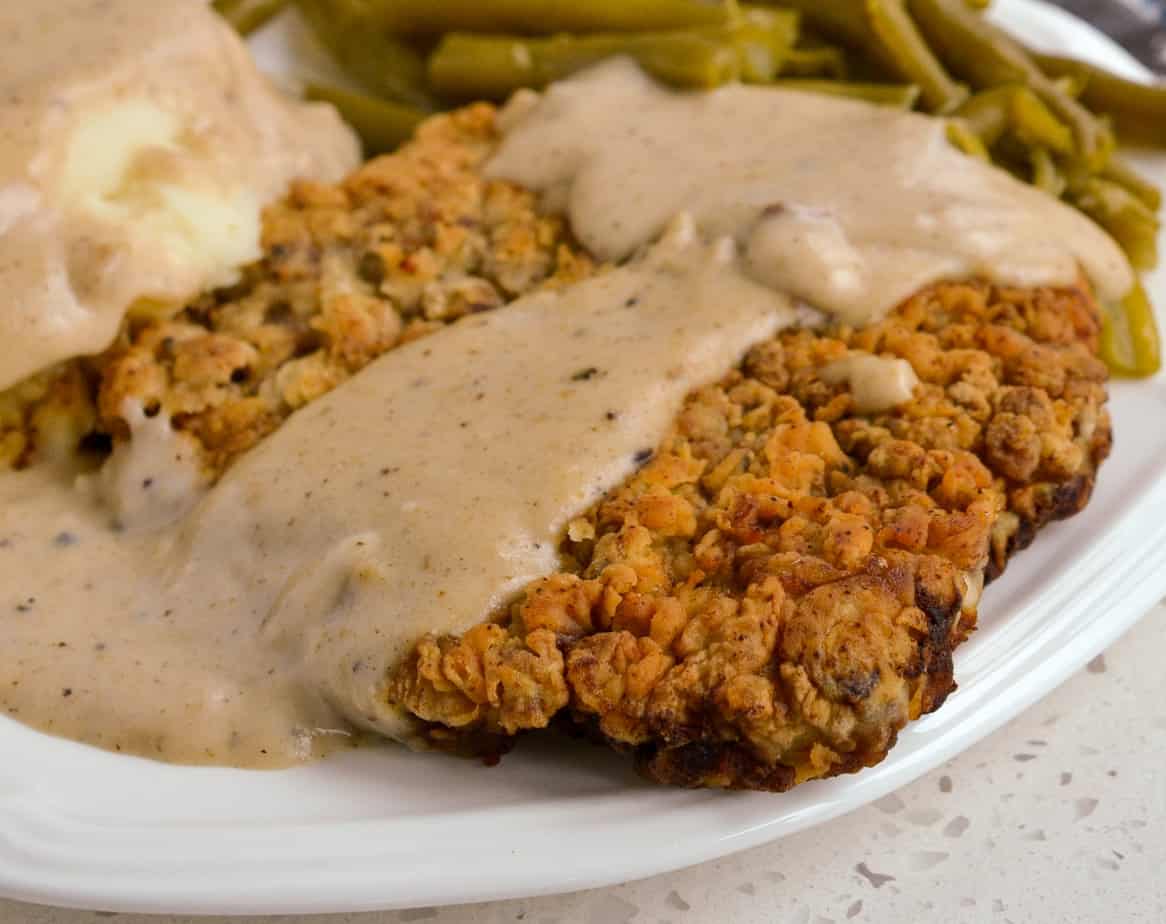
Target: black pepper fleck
65, 539
643, 456
584, 375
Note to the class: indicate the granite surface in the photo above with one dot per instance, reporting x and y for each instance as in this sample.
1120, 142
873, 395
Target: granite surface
1059, 817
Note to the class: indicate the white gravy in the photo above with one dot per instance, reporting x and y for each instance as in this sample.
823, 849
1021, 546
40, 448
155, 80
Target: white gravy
427, 490
421, 495
848, 206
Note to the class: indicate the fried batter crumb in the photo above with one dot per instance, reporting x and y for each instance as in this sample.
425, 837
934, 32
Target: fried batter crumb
779, 589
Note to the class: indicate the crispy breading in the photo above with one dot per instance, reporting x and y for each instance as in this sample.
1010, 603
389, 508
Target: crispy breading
47, 416
779, 590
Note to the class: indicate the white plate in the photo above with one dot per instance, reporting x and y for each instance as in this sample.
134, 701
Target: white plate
385, 828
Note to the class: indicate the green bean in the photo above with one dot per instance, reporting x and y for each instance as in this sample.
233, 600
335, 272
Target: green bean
963, 137
381, 125
1070, 86
465, 65
906, 55
245, 16
841, 20
821, 61
1015, 109
986, 57
903, 96
479, 66
882, 30
1130, 343
383, 65
1127, 218
1138, 109
1046, 174
541, 17
762, 38
1123, 174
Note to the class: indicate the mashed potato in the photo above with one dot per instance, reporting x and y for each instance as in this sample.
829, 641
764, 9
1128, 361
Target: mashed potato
138, 143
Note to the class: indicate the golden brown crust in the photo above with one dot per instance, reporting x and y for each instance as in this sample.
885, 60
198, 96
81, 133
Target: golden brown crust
47, 417
779, 590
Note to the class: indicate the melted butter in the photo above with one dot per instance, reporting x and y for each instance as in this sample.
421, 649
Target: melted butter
848, 206
419, 496
138, 142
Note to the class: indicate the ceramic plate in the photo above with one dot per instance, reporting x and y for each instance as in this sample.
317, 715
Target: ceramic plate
386, 828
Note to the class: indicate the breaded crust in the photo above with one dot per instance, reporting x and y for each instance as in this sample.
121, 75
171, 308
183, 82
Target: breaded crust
779, 590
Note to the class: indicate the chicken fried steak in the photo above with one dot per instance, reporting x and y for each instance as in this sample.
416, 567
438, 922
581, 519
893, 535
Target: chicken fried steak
771, 596
779, 588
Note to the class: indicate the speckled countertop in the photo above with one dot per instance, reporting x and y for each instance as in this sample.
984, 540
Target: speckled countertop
1059, 817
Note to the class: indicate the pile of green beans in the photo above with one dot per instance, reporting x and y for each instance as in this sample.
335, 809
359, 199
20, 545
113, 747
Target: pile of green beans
1052, 121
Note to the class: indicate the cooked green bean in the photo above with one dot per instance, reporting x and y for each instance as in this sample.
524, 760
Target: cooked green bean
1130, 342
469, 66
762, 38
841, 20
1123, 174
1070, 86
541, 17
903, 96
245, 16
1046, 174
381, 125
905, 54
986, 57
383, 65
1127, 218
964, 138
821, 61
882, 30
1015, 109
1138, 109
